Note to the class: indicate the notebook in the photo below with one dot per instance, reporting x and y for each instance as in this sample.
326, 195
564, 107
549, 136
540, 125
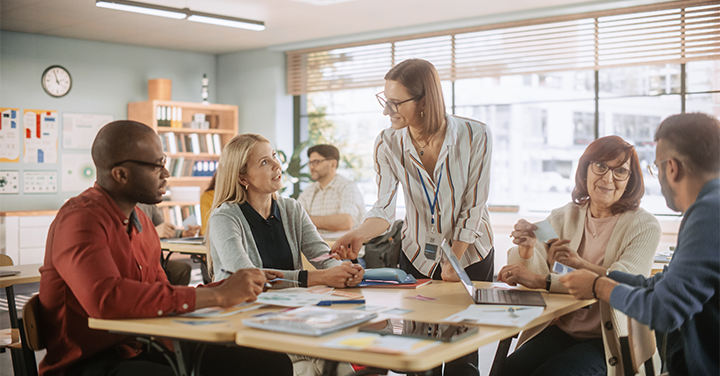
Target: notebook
8, 273
196, 240
492, 296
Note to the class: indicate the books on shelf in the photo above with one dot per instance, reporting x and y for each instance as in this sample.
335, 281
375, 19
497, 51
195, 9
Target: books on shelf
310, 321
178, 215
174, 143
184, 167
172, 117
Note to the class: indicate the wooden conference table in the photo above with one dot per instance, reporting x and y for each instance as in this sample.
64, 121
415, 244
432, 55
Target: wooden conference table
28, 274
450, 298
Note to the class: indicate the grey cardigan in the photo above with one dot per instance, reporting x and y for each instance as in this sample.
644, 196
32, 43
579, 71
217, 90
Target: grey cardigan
232, 246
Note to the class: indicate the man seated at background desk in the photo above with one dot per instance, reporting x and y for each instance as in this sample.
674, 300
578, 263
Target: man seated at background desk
333, 202
178, 272
102, 261
683, 299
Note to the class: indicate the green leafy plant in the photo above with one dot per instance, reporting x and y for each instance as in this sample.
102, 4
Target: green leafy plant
292, 167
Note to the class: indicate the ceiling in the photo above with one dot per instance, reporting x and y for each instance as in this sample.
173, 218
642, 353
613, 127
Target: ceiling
287, 21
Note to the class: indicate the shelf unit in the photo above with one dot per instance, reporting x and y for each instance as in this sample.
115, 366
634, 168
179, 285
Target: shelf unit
226, 128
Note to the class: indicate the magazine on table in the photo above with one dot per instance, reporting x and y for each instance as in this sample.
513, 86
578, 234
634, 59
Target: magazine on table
310, 321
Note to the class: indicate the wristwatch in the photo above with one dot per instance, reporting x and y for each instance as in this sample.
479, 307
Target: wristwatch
548, 282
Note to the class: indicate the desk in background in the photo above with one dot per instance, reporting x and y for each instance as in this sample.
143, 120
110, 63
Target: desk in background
28, 274
451, 298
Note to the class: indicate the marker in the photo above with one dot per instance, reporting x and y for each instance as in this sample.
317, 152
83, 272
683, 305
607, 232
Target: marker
331, 302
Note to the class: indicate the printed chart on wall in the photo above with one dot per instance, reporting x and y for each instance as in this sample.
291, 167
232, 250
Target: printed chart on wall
41, 136
79, 130
78, 172
9, 135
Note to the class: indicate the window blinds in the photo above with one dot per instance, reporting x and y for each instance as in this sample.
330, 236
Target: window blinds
666, 33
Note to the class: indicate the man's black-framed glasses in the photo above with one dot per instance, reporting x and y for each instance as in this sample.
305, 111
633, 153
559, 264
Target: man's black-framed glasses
316, 162
390, 105
618, 173
157, 166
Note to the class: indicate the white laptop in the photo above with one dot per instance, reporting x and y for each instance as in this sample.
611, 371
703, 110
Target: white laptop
492, 296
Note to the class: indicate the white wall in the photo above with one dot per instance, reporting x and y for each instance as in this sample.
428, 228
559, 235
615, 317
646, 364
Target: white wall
255, 82
105, 77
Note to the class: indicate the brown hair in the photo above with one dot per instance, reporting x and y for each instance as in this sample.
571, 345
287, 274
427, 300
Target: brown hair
327, 151
421, 80
695, 136
606, 149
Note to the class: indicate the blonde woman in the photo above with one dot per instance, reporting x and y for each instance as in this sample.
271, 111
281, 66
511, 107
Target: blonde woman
252, 227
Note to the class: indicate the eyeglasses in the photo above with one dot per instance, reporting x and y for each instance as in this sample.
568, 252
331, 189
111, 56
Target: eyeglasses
618, 173
654, 168
157, 166
316, 162
390, 105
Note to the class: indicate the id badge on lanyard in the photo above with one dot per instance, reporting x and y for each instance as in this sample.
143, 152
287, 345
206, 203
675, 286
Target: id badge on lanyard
432, 238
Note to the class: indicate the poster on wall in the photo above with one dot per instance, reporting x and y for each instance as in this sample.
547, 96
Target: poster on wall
39, 181
79, 130
41, 134
9, 135
78, 172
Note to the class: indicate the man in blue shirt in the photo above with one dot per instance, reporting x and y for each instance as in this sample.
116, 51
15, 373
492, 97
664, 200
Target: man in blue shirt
682, 300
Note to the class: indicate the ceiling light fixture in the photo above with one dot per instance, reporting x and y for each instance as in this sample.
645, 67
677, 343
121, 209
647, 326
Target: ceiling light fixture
214, 19
135, 7
181, 14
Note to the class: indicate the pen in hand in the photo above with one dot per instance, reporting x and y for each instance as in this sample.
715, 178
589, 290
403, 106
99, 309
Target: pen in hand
266, 287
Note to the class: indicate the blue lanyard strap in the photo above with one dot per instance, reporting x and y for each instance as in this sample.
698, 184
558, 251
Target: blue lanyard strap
427, 195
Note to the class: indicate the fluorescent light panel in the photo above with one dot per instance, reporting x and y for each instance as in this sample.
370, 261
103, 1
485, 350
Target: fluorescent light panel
157, 10
135, 7
229, 22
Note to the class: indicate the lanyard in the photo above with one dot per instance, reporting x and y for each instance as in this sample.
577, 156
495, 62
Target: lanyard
434, 202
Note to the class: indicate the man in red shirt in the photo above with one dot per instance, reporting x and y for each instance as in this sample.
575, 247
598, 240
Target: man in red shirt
101, 261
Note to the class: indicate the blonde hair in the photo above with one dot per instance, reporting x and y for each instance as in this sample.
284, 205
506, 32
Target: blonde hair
422, 81
233, 163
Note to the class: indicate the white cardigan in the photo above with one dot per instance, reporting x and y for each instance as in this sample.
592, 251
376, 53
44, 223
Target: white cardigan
631, 249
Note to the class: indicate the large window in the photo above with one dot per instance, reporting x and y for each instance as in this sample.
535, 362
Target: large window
541, 124
546, 90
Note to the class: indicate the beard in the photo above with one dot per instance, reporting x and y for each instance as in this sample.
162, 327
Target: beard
668, 193
142, 192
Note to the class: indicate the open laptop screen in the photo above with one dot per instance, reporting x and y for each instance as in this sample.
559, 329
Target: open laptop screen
469, 286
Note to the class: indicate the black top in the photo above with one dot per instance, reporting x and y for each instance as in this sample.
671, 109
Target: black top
270, 240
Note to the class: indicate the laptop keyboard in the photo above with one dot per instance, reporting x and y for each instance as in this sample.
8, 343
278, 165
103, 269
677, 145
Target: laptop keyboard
497, 296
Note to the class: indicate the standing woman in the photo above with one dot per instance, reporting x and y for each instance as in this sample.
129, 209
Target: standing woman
443, 164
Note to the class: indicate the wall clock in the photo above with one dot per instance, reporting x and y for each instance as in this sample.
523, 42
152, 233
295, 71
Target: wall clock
56, 81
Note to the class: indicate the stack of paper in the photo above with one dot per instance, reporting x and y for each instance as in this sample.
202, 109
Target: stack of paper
497, 315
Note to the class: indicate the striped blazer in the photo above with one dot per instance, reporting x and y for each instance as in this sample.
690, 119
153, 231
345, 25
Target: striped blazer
462, 214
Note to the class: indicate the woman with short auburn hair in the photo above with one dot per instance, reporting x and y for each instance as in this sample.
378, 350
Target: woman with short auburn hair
603, 229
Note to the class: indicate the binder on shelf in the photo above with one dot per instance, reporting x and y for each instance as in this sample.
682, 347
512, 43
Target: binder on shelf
209, 141
202, 143
181, 148
172, 143
188, 143
195, 142
216, 144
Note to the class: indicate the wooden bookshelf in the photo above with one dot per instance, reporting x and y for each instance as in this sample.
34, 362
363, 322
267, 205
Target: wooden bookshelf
223, 122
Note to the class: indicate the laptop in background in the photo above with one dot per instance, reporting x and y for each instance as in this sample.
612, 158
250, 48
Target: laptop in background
195, 240
492, 296
8, 273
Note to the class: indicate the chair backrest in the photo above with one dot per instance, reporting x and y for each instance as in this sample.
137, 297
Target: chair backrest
5, 260
640, 348
31, 322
